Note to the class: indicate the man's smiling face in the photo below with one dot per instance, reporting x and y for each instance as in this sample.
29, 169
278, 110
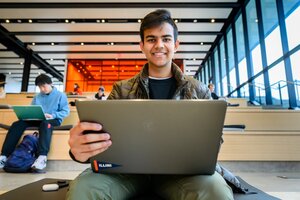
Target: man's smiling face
159, 45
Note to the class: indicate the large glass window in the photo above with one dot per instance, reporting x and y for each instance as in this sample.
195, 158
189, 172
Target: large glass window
210, 67
240, 38
252, 24
223, 69
289, 6
295, 62
216, 69
260, 93
243, 73
232, 75
256, 59
206, 73
271, 30
253, 37
292, 28
273, 46
278, 85
202, 75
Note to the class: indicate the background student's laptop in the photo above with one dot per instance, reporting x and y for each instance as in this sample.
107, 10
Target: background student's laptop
157, 136
29, 112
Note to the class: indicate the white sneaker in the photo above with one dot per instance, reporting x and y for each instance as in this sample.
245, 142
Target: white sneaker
3, 160
39, 164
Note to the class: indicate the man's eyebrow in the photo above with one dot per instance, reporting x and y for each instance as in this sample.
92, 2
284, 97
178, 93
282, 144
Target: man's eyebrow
152, 36
167, 36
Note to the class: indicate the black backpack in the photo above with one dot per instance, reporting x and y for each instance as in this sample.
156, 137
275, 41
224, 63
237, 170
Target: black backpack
24, 155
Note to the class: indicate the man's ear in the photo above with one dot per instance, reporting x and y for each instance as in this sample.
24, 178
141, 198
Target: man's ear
142, 46
176, 45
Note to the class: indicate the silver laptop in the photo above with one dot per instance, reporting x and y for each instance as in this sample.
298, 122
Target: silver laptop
29, 112
157, 136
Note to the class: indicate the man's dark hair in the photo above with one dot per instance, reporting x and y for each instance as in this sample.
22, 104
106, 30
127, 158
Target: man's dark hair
42, 79
157, 18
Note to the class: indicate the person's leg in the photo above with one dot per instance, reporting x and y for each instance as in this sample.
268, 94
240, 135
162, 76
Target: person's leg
192, 187
45, 135
90, 185
13, 136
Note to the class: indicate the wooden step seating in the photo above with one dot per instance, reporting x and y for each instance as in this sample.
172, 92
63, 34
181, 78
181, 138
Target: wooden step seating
270, 135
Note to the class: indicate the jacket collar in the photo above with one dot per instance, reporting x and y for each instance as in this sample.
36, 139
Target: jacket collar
176, 71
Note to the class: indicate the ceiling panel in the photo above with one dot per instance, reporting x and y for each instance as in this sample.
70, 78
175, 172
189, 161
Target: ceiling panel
11, 60
103, 27
7, 54
114, 13
2, 46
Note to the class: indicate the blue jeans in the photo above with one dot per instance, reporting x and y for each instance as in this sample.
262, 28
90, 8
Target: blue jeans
17, 129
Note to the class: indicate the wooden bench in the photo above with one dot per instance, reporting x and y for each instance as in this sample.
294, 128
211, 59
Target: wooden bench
270, 135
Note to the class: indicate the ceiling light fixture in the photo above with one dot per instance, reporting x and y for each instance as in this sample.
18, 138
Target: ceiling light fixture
139, 21
112, 43
19, 21
7, 21
33, 44
176, 20
67, 21
212, 20
103, 20
98, 21
52, 43
30, 21
81, 43
195, 21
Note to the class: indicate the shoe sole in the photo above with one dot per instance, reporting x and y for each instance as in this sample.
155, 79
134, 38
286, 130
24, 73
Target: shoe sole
39, 171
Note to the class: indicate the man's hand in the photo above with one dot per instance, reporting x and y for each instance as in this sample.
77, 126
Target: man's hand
84, 146
48, 116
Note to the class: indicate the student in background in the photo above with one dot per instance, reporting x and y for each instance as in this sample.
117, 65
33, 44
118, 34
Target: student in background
2, 84
100, 94
77, 90
55, 106
211, 87
160, 78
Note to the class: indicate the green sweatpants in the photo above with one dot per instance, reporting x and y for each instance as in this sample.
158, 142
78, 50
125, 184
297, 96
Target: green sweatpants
93, 186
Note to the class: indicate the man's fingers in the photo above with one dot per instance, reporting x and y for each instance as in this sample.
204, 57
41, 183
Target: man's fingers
95, 146
90, 138
82, 126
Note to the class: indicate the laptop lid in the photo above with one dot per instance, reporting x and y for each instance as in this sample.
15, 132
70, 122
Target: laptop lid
29, 112
157, 136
